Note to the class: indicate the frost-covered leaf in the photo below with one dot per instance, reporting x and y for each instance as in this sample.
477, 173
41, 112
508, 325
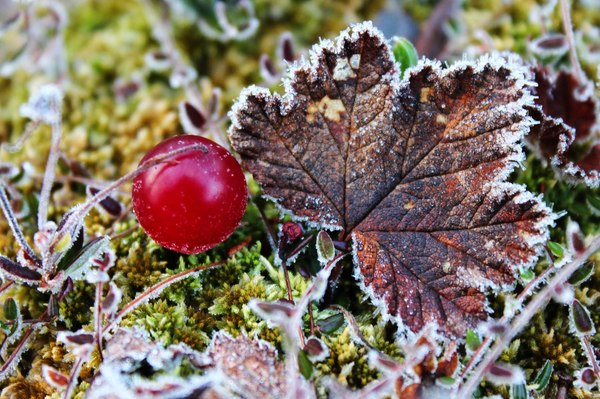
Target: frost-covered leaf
412, 171
13, 271
250, 367
130, 351
505, 374
325, 248
564, 124
542, 378
83, 260
581, 321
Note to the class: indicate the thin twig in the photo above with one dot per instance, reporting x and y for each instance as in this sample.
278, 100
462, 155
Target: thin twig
49, 175
565, 11
73, 378
519, 322
98, 319
14, 226
155, 290
587, 345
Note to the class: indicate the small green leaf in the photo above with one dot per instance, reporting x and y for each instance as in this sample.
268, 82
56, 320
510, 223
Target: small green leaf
306, 367
473, 341
582, 274
89, 251
594, 203
325, 248
527, 275
331, 324
556, 249
405, 53
446, 381
10, 309
519, 391
543, 376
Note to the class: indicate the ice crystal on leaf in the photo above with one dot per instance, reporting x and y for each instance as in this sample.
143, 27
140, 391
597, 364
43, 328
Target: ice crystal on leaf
411, 170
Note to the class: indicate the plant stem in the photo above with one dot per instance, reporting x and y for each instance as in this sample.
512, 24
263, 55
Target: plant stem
519, 322
565, 11
49, 175
156, 290
6, 286
14, 226
73, 378
98, 319
6, 368
587, 345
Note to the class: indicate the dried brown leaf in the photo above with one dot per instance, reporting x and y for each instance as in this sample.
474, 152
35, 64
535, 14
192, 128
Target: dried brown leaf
412, 171
251, 366
567, 114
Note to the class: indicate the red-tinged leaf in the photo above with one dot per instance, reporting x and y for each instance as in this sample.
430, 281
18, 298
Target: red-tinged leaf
411, 170
505, 374
54, 377
14, 271
580, 319
565, 123
575, 239
80, 338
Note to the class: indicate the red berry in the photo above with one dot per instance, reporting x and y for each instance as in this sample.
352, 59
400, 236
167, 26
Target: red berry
193, 201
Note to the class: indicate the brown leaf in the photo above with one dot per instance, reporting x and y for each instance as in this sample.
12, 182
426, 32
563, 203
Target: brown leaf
250, 365
411, 170
567, 114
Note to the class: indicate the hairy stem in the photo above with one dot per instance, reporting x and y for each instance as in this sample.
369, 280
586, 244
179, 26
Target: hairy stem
17, 145
565, 11
73, 377
98, 319
14, 226
49, 175
519, 322
589, 351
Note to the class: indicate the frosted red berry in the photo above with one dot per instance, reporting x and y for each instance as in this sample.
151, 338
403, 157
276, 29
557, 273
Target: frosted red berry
193, 201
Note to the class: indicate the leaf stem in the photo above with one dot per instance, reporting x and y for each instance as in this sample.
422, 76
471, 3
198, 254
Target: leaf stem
519, 322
